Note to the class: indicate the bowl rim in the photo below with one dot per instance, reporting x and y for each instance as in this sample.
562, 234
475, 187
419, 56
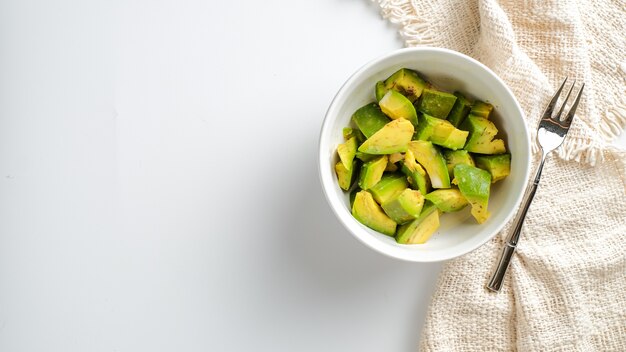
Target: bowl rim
322, 160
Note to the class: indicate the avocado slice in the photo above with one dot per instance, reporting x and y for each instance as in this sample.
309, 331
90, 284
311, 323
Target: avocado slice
392, 138
481, 136
372, 172
369, 119
345, 176
440, 132
474, 184
456, 139
393, 159
499, 166
425, 128
460, 110
421, 229
447, 200
364, 157
381, 90
431, 159
396, 106
347, 152
405, 206
407, 82
454, 157
391, 167
349, 132
370, 214
436, 103
416, 175
388, 187
482, 109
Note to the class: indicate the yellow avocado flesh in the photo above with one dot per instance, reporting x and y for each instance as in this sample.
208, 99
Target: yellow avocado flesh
372, 171
482, 109
345, 177
454, 157
407, 82
499, 166
431, 159
392, 138
481, 136
440, 132
421, 229
447, 200
397, 106
474, 184
388, 187
417, 177
369, 213
347, 151
405, 206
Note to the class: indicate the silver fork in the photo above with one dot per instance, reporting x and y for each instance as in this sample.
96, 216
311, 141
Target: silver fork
550, 135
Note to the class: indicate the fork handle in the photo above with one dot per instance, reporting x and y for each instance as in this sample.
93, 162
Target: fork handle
498, 276
495, 284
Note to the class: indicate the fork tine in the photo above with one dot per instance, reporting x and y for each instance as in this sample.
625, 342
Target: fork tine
558, 116
570, 114
548, 113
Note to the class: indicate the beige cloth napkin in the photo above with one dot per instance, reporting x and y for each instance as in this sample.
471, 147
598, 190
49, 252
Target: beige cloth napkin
566, 286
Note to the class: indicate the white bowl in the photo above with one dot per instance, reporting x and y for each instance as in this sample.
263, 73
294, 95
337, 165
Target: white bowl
449, 70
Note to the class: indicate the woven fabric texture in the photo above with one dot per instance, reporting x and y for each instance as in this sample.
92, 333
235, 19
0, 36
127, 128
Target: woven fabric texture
566, 286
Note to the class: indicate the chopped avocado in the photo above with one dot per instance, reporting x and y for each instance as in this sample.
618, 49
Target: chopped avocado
499, 166
419, 230
392, 138
424, 129
393, 159
391, 167
389, 186
440, 132
372, 172
474, 184
364, 157
349, 132
436, 139
431, 159
481, 133
407, 82
369, 119
347, 152
454, 157
456, 139
381, 90
396, 106
482, 109
416, 175
447, 200
405, 206
460, 110
346, 176
436, 103
370, 214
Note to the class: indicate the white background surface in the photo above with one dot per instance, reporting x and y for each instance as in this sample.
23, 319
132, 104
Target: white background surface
158, 186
